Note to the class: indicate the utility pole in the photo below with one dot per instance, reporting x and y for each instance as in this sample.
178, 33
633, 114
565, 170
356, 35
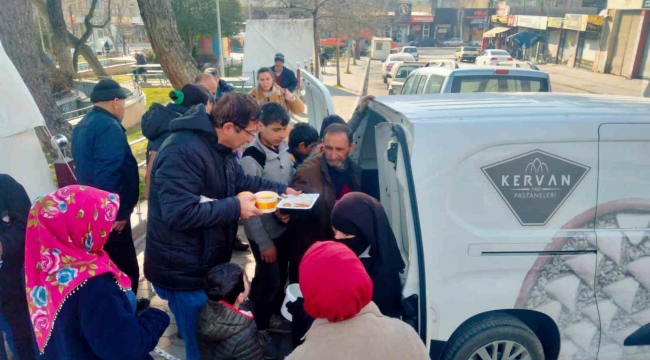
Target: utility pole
250, 10
221, 67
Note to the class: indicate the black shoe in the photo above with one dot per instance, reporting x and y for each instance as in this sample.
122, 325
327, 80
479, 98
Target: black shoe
241, 245
266, 342
142, 305
279, 325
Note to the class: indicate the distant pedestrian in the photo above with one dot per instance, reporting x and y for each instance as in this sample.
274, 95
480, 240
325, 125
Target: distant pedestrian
104, 160
222, 86
82, 306
338, 292
284, 77
140, 60
268, 90
225, 331
107, 47
302, 140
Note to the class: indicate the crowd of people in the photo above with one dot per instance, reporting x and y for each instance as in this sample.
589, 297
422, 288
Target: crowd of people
210, 149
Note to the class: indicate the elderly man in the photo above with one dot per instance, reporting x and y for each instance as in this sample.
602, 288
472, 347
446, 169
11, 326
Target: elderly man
208, 81
284, 77
222, 86
103, 159
332, 174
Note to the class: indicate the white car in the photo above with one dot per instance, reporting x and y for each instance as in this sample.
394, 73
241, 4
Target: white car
492, 57
476, 43
412, 50
518, 64
453, 42
391, 60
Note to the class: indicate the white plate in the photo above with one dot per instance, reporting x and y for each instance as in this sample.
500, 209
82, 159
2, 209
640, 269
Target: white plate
309, 199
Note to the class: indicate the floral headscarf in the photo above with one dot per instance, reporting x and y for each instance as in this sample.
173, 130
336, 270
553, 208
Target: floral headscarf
66, 234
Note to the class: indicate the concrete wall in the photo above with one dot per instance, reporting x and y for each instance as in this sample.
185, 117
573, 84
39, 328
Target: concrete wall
135, 108
625, 4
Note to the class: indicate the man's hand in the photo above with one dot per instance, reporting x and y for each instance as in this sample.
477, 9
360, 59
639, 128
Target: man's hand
282, 217
270, 255
247, 205
119, 225
364, 103
289, 95
291, 191
318, 149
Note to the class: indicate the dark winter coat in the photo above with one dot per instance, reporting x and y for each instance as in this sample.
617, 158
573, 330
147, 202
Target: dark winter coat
155, 124
224, 88
289, 80
103, 158
98, 321
187, 234
14, 209
227, 334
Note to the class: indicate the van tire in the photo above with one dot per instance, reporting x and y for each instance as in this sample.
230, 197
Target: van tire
485, 330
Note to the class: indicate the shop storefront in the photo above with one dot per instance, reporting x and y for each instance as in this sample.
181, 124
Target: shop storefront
579, 42
474, 24
534, 25
553, 31
444, 22
625, 43
588, 43
572, 26
421, 26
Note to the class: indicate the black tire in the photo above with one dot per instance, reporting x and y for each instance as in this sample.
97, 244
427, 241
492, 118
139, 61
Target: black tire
489, 329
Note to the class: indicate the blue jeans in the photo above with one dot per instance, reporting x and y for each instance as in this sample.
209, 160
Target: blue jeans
186, 305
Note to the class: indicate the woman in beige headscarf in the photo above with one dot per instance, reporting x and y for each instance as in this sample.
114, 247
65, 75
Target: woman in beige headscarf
268, 91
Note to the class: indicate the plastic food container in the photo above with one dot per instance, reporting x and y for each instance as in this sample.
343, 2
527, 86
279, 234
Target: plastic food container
267, 201
292, 294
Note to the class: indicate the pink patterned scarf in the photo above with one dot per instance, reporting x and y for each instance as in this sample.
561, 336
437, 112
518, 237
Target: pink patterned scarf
66, 234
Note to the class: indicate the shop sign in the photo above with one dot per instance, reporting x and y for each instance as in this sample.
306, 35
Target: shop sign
645, 4
476, 14
512, 20
403, 13
532, 22
416, 27
596, 20
555, 22
502, 19
442, 30
422, 19
575, 22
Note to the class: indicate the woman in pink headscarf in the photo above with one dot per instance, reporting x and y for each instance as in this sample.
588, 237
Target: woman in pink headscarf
81, 305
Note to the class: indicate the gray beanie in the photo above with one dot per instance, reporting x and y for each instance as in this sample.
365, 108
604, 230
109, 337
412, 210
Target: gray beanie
279, 57
107, 90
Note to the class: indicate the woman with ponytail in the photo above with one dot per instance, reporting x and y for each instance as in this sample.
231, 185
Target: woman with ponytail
155, 122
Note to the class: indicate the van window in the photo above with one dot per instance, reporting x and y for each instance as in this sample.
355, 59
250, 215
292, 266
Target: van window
410, 50
404, 71
498, 83
434, 85
420, 80
406, 89
467, 48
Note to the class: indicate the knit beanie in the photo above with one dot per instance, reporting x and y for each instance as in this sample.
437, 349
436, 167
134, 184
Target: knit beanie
190, 95
279, 57
107, 90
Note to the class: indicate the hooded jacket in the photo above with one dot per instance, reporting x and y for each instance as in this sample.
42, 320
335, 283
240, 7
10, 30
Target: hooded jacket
226, 333
277, 95
223, 88
259, 160
193, 209
155, 124
14, 209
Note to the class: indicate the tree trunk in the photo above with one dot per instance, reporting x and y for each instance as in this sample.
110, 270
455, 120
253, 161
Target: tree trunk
347, 70
88, 54
338, 58
316, 45
160, 22
18, 38
59, 44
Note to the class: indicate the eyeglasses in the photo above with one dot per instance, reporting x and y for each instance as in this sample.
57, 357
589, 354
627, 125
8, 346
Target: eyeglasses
251, 133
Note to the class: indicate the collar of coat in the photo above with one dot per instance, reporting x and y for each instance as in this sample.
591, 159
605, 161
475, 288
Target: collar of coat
369, 310
108, 113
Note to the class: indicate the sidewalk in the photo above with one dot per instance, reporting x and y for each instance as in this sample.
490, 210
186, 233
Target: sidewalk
565, 79
347, 97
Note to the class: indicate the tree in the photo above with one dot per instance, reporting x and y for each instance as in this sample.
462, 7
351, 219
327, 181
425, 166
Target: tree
18, 39
90, 28
160, 22
460, 5
196, 18
60, 46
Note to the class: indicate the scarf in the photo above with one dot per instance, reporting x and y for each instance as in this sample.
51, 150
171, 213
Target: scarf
14, 202
333, 282
66, 234
361, 215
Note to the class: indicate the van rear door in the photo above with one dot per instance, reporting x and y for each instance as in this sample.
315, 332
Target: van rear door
317, 98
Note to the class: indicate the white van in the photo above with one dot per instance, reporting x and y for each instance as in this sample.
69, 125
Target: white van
524, 220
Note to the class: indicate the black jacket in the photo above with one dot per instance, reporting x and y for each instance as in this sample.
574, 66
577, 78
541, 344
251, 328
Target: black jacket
185, 236
289, 80
225, 333
14, 210
103, 159
155, 124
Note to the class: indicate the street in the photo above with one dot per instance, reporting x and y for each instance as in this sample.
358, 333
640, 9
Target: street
563, 79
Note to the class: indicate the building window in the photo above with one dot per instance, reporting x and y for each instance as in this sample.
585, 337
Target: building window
425, 30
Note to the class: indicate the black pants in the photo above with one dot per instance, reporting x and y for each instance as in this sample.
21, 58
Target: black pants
13, 306
121, 250
267, 288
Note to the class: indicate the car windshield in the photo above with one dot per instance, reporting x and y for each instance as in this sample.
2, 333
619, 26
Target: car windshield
500, 52
498, 83
411, 50
404, 71
468, 48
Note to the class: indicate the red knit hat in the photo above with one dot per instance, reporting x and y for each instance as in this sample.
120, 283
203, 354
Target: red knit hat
333, 282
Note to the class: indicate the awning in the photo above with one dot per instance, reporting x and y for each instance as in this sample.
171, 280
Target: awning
494, 32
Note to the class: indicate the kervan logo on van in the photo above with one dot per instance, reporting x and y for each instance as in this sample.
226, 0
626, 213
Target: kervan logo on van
534, 185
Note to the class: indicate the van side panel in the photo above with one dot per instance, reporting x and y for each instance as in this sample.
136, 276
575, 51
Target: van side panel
623, 239
503, 218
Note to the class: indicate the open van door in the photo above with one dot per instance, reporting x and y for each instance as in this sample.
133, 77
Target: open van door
317, 98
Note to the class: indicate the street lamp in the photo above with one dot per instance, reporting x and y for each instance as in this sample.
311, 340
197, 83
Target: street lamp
221, 67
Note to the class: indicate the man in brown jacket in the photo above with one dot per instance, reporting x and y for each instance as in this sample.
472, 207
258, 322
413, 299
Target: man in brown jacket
331, 174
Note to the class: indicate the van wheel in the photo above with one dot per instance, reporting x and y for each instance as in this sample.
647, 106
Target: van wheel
494, 337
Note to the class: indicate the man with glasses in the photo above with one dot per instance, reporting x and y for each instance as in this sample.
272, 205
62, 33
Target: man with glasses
193, 207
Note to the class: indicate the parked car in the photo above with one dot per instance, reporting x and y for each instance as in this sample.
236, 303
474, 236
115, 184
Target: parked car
442, 63
475, 43
412, 50
428, 42
453, 42
399, 73
437, 80
523, 219
518, 64
392, 58
467, 53
492, 57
